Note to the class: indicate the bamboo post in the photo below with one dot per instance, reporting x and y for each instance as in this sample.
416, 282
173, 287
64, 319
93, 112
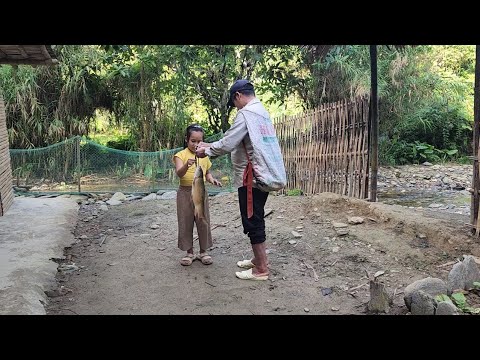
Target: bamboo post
374, 124
476, 134
77, 147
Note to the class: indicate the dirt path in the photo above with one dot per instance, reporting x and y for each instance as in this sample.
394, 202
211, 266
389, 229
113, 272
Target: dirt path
136, 269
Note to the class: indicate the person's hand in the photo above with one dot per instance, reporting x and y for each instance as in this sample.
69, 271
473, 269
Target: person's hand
200, 152
190, 162
203, 144
216, 182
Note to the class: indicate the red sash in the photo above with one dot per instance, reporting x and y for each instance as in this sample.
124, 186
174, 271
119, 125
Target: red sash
248, 182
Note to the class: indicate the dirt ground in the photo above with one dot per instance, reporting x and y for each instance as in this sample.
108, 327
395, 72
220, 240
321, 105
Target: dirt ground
127, 266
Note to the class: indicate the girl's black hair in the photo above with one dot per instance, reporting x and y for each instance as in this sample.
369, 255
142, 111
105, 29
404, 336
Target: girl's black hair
188, 132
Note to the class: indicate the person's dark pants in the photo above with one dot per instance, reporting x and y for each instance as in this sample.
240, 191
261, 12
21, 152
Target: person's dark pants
255, 226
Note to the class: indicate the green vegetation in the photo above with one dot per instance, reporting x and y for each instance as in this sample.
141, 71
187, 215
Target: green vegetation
294, 192
142, 97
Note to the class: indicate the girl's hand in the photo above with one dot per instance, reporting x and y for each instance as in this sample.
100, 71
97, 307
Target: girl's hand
190, 162
216, 182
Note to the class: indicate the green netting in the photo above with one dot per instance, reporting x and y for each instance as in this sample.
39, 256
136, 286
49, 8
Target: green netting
80, 165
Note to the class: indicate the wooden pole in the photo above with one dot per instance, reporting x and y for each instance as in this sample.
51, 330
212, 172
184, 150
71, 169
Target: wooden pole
78, 163
374, 124
476, 134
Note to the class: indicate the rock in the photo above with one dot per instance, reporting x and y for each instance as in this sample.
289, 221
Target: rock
426, 163
456, 277
432, 286
335, 249
104, 207
118, 196
169, 195
326, 291
306, 310
154, 226
446, 308
150, 197
355, 220
472, 274
68, 268
292, 242
114, 202
422, 303
296, 234
340, 228
133, 197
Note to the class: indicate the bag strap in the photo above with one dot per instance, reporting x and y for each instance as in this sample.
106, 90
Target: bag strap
248, 182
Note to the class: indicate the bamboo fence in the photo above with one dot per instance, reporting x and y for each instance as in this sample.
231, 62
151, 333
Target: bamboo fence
6, 192
326, 149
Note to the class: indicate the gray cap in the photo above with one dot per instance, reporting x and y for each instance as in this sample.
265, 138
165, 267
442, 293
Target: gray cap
238, 85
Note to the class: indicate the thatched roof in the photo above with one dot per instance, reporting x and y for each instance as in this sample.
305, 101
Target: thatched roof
27, 55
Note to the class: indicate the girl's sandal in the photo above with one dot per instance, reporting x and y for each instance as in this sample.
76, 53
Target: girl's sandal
205, 259
188, 260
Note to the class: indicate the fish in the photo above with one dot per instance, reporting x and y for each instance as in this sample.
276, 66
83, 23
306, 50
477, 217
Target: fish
199, 194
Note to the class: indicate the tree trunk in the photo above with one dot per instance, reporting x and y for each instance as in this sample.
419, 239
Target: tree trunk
379, 299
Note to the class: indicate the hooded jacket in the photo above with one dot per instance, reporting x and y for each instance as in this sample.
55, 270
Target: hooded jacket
232, 139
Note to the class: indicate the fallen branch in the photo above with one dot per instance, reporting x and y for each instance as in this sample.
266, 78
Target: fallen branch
268, 212
103, 240
206, 282
447, 264
357, 287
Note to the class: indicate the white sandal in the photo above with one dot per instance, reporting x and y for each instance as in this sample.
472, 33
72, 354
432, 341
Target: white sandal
248, 275
245, 264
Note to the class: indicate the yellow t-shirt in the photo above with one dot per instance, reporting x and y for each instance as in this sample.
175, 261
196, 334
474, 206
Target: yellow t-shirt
186, 154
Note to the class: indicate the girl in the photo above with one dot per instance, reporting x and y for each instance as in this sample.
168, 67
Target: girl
185, 168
